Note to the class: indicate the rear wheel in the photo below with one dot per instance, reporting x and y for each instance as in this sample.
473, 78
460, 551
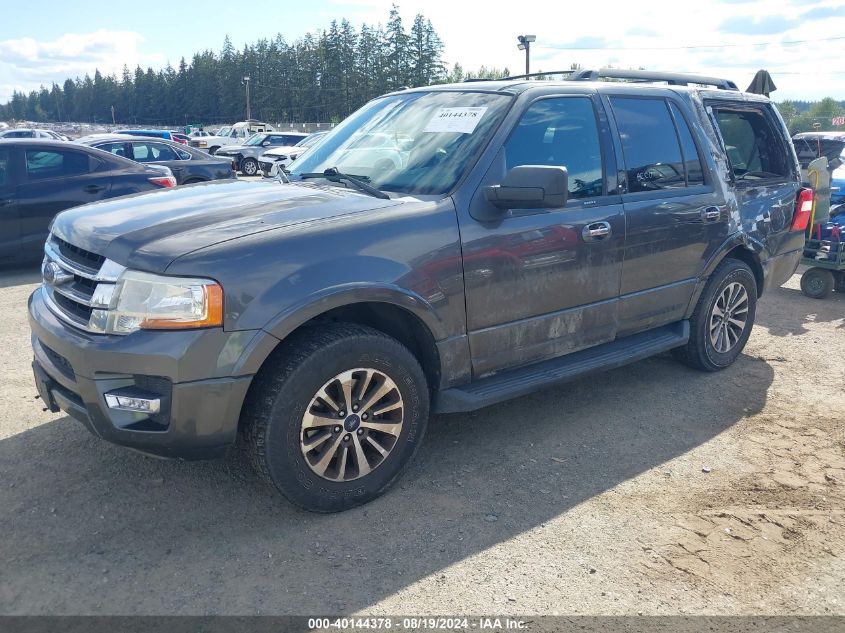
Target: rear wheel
249, 166
817, 283
839, 285
335, 416
723, 318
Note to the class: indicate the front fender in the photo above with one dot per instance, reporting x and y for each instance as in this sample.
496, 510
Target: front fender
353, 293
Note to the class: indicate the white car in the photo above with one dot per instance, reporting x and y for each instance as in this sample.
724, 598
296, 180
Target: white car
25, 132
280, 157
236, 134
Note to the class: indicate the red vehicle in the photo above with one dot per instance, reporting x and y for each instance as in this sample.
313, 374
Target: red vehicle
180, 138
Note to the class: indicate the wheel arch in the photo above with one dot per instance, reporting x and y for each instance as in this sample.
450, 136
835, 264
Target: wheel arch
403, 316
737, 247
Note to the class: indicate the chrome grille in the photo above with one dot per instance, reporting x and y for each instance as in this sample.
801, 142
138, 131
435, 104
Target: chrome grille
78, 284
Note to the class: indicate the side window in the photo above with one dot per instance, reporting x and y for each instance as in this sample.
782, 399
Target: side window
560, 132
183, 155
653, 158
163, 152
692, 162
113, 148
754, 149
290, 140
53, 164
5, 176
141, 152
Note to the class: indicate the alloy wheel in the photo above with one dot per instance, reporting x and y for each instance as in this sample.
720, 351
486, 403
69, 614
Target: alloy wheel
729, 317
352, 424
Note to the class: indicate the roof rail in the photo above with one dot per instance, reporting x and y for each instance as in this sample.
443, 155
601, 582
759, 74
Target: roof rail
673, 79
523, 76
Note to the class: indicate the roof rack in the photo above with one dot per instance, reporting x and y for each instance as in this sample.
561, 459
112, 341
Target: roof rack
644, 76
673, 79
523, 76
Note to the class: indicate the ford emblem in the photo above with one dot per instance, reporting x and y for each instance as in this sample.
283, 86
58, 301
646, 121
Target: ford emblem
55, 275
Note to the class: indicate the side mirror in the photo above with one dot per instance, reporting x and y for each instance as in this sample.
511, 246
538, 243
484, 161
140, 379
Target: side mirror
265, 143
530, 187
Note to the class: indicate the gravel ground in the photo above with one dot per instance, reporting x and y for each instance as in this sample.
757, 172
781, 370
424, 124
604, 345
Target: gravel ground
651, 489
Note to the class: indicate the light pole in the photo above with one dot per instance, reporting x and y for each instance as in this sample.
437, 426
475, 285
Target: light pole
246, 83
525, 44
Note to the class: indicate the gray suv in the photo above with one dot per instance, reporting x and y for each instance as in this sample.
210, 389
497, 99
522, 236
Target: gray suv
526, 233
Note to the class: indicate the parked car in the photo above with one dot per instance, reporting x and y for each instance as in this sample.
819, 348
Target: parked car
529, 236
39, 178
281, 157
184, 139
31, 133
236, 134
188, 165
246, 155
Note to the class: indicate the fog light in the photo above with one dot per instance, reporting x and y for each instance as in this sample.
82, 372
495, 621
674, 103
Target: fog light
133, 400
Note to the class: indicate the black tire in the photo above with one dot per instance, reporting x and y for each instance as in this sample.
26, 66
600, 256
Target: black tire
283, 390
839, 285
700, 352
817, 283
193, 181
213, 150
249, 166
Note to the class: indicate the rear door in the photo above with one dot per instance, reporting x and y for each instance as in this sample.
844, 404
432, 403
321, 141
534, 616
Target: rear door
763, 172
9, 214
674, 219
53, 180
542, 283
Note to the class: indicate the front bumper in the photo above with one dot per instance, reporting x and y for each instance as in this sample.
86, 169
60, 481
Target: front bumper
195, 373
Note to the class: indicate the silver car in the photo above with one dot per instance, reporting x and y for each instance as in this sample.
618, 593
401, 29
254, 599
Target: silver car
246, 156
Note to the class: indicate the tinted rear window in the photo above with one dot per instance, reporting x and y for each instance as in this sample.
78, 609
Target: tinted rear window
650, 144
53, 164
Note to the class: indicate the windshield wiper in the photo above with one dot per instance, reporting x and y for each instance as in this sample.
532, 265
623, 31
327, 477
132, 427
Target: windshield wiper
356, 181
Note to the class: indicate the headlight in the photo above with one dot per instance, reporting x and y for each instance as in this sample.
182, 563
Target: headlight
142, 301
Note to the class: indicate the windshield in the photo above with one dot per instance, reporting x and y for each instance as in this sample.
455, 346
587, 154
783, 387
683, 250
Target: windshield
416, 143
224, 131
255, 139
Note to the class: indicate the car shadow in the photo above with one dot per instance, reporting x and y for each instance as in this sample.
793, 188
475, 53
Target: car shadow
18, 274
788, 310
92, 528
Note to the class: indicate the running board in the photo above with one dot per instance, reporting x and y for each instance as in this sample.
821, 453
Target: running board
524, 380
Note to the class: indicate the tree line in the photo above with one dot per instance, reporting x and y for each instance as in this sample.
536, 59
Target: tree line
319, 77
804, 116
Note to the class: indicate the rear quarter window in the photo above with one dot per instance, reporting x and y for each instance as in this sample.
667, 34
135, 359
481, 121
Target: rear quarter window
755, 150
43, 164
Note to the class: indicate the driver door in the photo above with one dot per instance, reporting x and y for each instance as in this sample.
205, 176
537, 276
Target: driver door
542, 283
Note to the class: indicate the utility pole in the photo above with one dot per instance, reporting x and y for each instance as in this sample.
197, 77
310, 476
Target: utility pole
525, 44
112, 115
246, 83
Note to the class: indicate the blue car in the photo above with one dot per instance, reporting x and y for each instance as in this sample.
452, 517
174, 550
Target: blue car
165, 134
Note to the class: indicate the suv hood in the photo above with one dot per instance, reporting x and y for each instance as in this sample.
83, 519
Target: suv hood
149, 231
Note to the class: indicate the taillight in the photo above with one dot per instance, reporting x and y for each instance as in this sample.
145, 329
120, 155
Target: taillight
803, 210
163, 181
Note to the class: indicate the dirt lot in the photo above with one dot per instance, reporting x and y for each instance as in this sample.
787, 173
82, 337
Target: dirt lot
591, 498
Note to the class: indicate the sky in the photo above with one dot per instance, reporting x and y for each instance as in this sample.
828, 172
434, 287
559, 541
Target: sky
801, 43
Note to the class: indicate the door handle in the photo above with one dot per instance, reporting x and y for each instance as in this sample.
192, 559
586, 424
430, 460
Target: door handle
711, 214
176, 168
596, 231
93, 188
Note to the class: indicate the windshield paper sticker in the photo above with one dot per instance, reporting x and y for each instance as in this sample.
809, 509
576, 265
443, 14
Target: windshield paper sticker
460, 120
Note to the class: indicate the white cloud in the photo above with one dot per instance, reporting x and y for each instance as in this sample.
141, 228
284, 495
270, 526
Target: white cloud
26, 63
485, 33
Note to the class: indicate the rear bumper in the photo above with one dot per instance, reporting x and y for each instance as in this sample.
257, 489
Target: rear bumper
200, 407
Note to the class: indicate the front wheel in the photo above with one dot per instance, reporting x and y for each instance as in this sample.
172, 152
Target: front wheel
723, 318
249, 166
335, 416
817, 283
